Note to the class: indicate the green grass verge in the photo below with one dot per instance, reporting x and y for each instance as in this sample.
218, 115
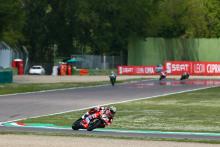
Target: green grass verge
19, 88
196, 111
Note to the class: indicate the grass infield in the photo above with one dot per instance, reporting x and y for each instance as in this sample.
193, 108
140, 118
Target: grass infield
19, 88
196, 111
22, 88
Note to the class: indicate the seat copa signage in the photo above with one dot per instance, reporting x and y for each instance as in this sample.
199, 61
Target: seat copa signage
193, 68
174, 68
137, 70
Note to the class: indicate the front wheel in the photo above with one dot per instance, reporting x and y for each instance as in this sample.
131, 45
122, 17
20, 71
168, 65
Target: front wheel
76, 125
94, 124
162, 77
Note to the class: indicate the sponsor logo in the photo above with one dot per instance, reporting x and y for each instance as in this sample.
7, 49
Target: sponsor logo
199, 68
127, 70
213, 68
168, 67
140, 70
149, 70
180, 67
120, 70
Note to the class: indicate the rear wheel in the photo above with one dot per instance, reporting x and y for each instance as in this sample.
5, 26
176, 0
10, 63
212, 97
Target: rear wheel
113, 80
76, 125
94, 124
162, 77
181, 78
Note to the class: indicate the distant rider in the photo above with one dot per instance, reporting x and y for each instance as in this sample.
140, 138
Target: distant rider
184, 76
113, 78
107, 113
163, 75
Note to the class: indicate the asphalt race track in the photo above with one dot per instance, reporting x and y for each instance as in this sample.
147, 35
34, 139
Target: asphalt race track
19, 106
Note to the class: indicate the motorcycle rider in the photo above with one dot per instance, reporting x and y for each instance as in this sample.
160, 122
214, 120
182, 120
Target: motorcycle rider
159, 68
113, 78
107, 114
163, 75
184, 76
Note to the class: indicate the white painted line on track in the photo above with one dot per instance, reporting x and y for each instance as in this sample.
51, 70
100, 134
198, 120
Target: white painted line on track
85, 108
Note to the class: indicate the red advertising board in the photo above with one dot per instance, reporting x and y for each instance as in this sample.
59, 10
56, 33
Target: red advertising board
199, 68
174, 68
136, 70
193, 68
206, 68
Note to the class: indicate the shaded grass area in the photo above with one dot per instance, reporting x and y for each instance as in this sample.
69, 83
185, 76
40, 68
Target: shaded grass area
196, 111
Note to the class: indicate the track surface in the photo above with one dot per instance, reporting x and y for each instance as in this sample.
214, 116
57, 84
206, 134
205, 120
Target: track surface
14, 107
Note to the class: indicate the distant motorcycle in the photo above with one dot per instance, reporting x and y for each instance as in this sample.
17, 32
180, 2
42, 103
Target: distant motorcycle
162, 75
112, 78
184, 76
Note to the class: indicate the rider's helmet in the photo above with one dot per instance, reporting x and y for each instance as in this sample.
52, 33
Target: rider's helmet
113, 109
112, 73
110, 112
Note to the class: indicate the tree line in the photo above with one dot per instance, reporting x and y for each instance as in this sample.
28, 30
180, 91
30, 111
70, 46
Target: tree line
49, 28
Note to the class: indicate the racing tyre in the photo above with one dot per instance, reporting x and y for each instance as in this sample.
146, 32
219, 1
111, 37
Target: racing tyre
162, 77
94, 124
112, 80
76, 125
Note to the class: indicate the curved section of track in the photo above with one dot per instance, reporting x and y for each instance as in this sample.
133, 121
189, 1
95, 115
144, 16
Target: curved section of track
19, 106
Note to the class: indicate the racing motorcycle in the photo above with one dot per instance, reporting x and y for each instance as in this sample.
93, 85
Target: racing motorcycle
94, 123
184, 76
162, 76
112, 79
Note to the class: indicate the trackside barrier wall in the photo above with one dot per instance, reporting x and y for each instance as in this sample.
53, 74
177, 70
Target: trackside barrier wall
137, 70
193, 68
174, 68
